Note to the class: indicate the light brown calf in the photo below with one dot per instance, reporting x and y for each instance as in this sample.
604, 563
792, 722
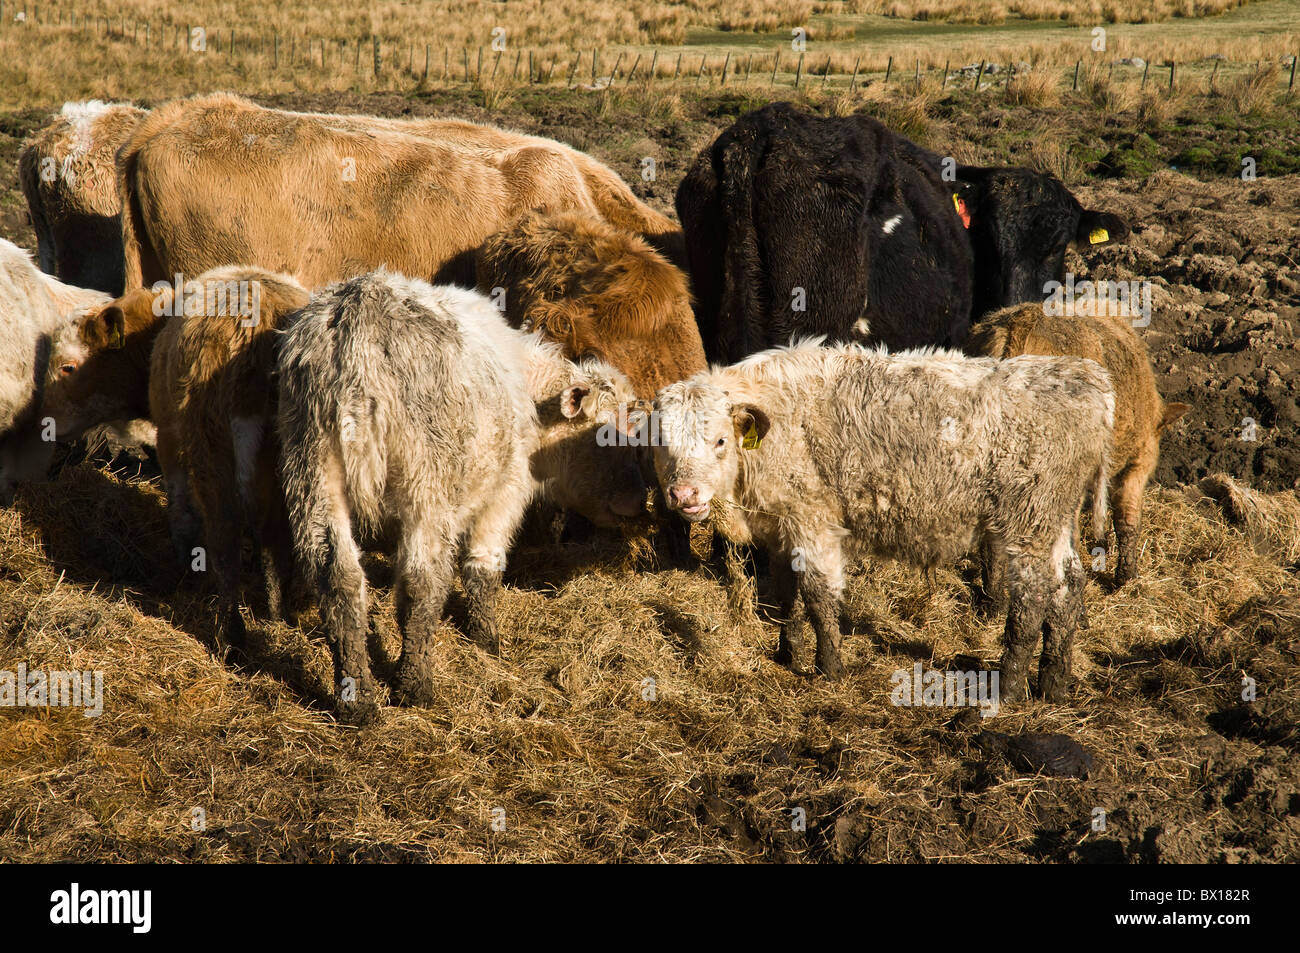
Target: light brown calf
1141, 416
213, 401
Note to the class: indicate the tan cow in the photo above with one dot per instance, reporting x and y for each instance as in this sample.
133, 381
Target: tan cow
216, 179
1141, 416
69, 178
596, 290
213, 402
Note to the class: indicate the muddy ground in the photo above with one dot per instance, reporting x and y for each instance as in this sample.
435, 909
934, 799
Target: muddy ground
587, 759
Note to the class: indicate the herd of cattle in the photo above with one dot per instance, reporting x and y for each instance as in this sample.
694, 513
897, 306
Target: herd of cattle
286, 297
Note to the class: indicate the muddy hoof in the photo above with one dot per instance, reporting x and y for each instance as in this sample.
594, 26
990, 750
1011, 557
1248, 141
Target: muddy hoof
829, 666
1012, 691
359, 713
414, 687
1053, 684
784, 654
991, 607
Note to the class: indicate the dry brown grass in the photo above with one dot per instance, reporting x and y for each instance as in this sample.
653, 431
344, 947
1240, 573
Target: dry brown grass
561, 732
1073, 11
136, 48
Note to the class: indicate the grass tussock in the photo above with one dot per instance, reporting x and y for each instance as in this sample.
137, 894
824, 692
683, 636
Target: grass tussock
1037, 88
1271, 521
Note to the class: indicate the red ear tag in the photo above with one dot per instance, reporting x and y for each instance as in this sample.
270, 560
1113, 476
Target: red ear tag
962, 210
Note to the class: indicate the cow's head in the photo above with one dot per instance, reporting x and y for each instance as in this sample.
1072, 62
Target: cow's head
652, 350
580, 462
99, 363
698, 433
1021, 223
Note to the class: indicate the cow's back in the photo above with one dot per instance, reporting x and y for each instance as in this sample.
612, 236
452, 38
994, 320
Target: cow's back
222, 183
798, 224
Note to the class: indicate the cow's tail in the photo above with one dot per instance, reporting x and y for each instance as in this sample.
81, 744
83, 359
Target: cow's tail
29, 178
742, 270
137, 253
1101, 479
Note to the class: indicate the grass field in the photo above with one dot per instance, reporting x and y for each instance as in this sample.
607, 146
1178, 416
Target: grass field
635, 713
140, 48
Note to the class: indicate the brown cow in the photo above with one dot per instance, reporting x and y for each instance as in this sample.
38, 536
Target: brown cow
596, 290
211, 397
70, 182
1141, 416
215, 179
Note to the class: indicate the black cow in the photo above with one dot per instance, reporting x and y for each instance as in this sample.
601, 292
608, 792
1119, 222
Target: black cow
797, 224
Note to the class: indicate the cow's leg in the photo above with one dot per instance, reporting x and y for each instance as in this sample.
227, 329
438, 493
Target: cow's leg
1126, 504
993, 570
182, 519
785, 581
818, 565
425, 561
1028, 597
223, 519
486, 546
1064, 611
323, 538
277, 556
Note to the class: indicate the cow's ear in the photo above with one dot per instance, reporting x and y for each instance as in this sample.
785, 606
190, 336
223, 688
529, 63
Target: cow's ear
559, 323
576, 400
1172, 412
964, 196
105, 329
1100, 228
751, 424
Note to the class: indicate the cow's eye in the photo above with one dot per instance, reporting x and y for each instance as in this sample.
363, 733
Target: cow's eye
66, 369
722, 442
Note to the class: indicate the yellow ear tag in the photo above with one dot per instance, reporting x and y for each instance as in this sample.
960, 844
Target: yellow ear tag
752, 439
1097, 236
119, 337
956, 203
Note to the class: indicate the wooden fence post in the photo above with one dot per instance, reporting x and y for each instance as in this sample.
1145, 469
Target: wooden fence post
798, 72
889, 68
854, 81
944, 85
1077, 64
979, 77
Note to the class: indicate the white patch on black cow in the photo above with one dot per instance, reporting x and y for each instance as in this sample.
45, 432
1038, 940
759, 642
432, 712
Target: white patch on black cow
891, 224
